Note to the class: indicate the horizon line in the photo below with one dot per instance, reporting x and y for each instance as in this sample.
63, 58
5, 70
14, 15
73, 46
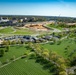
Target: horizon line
35, 15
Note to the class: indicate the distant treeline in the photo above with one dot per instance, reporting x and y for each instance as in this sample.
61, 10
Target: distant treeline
41, 18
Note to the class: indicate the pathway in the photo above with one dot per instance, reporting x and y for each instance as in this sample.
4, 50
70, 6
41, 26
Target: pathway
10, 62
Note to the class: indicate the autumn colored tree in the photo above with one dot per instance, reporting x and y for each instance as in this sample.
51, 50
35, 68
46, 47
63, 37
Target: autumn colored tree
62, 73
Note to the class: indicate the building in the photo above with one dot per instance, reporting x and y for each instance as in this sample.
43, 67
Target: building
71, 24
1, 41
14, 20
3, 19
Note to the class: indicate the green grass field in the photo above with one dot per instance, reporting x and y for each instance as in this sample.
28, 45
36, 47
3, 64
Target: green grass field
23, 32
14, 31
54, 26
28, 66
14, 51
20, 31
60, 49
21, 67
6, 30
24, 66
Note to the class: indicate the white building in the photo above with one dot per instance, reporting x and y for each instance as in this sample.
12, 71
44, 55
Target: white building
25, 18
4, 19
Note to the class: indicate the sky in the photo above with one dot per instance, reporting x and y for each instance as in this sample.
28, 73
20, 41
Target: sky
65, 8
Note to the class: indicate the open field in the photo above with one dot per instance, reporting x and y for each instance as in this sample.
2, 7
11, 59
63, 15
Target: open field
60, 49
20, 31
24, 66
23, 32
13, 51
6, 30
21, 67
64, 48
12, 30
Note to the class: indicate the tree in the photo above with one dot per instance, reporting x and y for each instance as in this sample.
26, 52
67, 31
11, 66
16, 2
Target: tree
1, 52
45, 54
62, 67
7, 48
13, 42
73, 61
53, 56
0, 63
60, 60
30, 45
32, 55
37, 49
62, 73
9, 42
13, 57
19, 41
5, 42
58, 42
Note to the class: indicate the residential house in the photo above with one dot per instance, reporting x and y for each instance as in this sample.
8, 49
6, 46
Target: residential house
3, 19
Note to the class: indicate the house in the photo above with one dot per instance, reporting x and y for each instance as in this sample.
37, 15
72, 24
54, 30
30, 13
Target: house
14, 20
25, 18
71, 24
51, 22
47, 37
21, 20
1, 41
3, 19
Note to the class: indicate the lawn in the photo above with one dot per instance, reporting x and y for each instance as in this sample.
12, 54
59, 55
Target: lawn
6, 30
24, 66
19, 31
21, 67
14, 51
23, 32
16, 31
54, 26
60, 49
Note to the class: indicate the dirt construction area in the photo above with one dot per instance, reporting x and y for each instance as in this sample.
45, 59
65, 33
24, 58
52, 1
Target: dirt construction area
38, 27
